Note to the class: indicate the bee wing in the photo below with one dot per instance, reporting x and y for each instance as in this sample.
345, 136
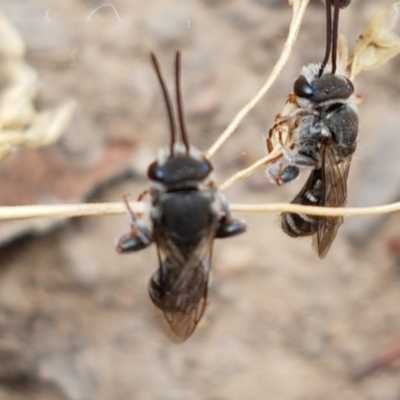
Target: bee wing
334, 186
186, 284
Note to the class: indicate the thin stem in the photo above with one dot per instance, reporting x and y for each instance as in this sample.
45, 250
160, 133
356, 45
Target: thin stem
102, 209
299, 9
244, 173
67, 210
313, 210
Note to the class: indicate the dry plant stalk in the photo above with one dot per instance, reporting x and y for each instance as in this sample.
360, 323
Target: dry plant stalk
375, 47
101, 209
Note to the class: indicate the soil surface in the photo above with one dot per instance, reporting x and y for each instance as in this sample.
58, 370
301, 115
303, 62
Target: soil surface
76, 322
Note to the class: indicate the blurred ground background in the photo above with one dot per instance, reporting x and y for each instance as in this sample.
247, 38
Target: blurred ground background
76, 322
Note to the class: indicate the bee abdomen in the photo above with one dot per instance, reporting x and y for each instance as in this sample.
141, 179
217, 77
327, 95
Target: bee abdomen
297, 225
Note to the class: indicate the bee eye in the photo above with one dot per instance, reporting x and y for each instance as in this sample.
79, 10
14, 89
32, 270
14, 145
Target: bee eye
154, 172
302, 88
349, 86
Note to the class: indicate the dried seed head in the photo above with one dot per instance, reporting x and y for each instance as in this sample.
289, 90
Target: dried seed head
378, 43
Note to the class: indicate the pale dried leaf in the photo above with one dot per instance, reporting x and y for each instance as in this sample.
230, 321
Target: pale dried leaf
17, 113
11, 43
23, 84
378, 43
16, 107
6, 150
18, 71
11, 137
9, 142
20, 124
49, 125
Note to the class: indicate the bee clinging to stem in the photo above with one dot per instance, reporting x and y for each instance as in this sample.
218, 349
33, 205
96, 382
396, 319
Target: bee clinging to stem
318, 133
186, 213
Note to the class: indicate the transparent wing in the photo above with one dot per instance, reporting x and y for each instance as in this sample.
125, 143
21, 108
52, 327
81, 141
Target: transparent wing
180, 286
334, 186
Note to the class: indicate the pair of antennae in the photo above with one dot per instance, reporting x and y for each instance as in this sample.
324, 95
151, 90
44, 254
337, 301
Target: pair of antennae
168, 102
332, 32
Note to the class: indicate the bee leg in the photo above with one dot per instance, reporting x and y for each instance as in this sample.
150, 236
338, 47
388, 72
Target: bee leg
289, 173
227, 225
230, 227
141, 196
274, 172
133, 241
138, 238
279, 175
299, 159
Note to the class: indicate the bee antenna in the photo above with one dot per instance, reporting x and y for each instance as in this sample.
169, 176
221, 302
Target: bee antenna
332, 32
167, 101
335, 33
184, 135
328, 37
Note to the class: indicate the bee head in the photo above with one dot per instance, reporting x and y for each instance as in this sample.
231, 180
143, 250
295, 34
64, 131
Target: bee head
182, 162
180, 168
327, 87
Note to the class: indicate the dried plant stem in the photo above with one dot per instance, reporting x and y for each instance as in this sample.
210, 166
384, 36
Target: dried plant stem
320, 211
102, 209
67, 210
299, 8
244, 173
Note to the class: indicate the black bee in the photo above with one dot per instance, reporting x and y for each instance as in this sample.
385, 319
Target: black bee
327, 116
325, 139
320, 100
186, 214
323, 126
